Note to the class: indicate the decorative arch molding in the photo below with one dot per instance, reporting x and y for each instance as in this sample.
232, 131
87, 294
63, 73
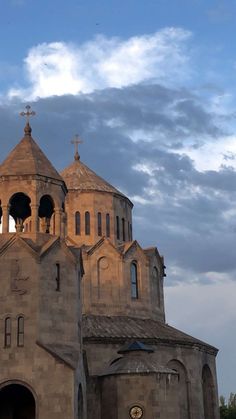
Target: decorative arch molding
54, 197
21, 383
184, 390
104, 284
28, 385
208, 392
13, 191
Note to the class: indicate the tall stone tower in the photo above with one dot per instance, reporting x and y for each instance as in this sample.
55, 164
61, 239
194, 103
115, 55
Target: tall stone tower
41, 369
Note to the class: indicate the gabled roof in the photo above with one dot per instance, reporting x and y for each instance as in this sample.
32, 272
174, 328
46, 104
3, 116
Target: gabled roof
38, 248
28, 159
67, 354
80, 177
101, 242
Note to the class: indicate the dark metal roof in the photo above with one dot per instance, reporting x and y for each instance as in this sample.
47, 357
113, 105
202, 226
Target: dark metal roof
136, 365
122, 328
135, 346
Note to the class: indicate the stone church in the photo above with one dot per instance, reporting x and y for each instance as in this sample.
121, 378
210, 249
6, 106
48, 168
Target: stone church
82, 318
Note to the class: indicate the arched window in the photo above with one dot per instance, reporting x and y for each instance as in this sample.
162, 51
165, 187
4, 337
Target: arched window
7, 332
58, 277
99, 224
131, 232
134, 280
117, 228
108, 225
20, 331
77, 223
87, 223
123, 229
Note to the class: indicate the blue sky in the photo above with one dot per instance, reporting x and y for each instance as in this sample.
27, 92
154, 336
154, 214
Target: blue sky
150, 87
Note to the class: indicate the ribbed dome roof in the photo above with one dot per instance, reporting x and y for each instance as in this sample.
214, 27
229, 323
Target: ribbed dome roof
28, 159
136, 365
79, 177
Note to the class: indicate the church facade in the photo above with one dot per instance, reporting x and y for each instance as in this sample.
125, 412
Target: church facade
83, 331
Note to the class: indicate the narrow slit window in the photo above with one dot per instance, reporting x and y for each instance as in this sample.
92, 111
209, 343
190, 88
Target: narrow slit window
99, 224
128, 229
131, 232
58, 277
87, 223
7, 337
123, 229
20, 331
77, 223
117, 228
134, 280
108, 225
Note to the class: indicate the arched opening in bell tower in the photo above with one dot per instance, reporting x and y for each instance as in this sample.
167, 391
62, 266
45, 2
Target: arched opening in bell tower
17, 402
46, 211
19, 210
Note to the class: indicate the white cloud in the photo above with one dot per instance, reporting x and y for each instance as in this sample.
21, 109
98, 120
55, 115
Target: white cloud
214, 154
59, 68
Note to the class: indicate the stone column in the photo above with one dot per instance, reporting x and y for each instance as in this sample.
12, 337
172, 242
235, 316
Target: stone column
58, 212
34, 218
5, 218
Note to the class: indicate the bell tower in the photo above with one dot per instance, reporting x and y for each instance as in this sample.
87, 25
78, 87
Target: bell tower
32, 191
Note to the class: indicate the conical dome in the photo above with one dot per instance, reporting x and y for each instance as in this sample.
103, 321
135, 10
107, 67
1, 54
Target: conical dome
96, 208
79, 177
28, 159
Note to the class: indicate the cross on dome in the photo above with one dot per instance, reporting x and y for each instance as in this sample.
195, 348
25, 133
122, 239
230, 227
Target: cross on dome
76, 141
28, 114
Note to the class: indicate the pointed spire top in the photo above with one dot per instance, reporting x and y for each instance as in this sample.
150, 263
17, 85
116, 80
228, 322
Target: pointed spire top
76, 141
28, 114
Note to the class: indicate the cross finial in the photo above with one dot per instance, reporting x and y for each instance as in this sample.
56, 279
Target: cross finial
28, 114
76, 141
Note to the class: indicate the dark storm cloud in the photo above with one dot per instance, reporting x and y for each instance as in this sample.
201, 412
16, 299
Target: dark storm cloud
187, 213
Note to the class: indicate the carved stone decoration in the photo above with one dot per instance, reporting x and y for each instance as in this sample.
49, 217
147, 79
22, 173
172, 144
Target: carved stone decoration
18, 281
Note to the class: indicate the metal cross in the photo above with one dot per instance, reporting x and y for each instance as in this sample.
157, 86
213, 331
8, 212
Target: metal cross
28, 113
76, 143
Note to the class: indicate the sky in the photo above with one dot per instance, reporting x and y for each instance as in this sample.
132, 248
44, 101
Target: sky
149, 86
